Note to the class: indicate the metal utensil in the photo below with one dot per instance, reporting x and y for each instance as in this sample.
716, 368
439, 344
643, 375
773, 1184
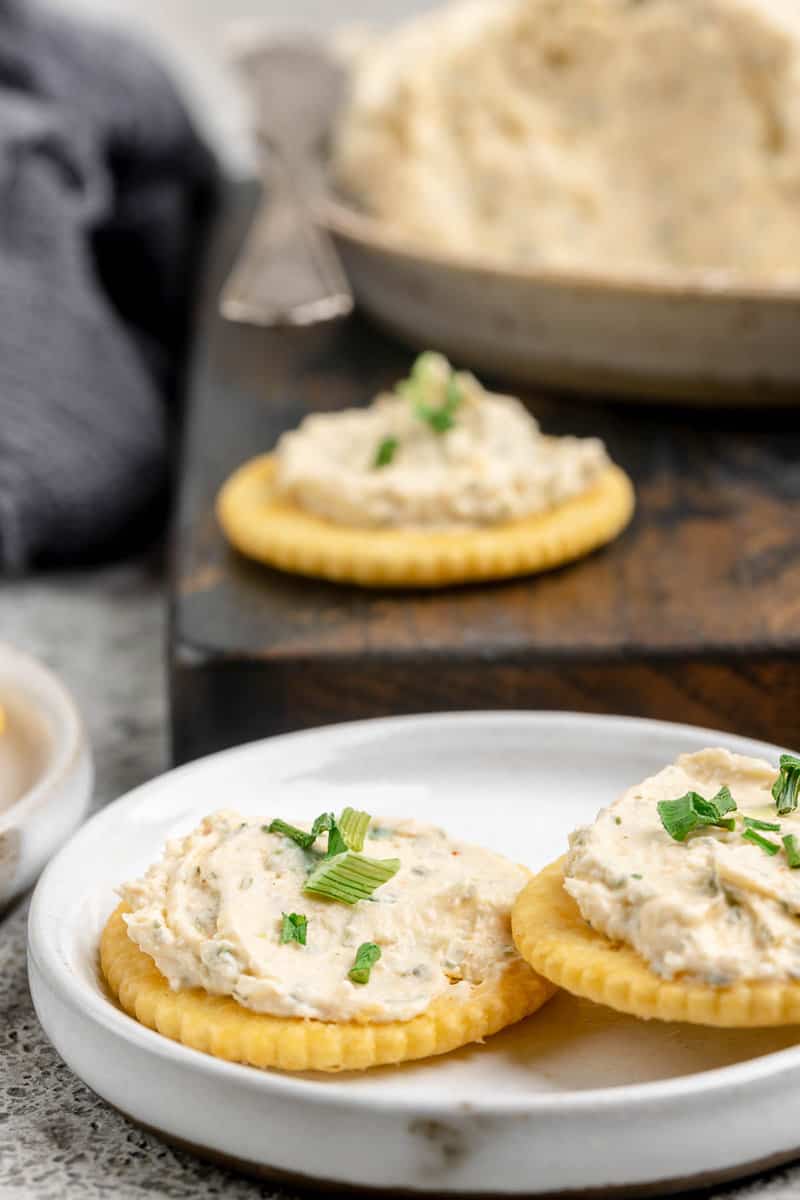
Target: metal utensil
287, 272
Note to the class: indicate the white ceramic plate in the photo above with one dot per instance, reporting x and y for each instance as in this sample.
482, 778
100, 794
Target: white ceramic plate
45, 769
577, 1097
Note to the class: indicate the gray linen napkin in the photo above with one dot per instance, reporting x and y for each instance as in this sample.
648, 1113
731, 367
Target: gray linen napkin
104, 192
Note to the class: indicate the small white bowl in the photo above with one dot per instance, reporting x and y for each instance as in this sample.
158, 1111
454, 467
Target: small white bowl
46, 769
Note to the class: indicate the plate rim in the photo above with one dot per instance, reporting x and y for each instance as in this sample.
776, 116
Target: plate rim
336, 1092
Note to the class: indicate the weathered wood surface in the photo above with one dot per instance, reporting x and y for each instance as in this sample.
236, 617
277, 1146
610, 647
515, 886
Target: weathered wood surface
693, 615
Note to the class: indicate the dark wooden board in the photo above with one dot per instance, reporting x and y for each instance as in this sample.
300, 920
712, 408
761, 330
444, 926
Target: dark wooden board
693, 615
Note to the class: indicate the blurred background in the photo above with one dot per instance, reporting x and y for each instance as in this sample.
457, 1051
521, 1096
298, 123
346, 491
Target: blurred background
191, 35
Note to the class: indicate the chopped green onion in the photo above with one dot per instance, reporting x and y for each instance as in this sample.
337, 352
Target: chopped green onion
293, 928
766, 844
692, 811
300, 836
350, 877
424, 377
678, 817
323, 824
786, 788
714, 809
723, 801
792, 850
367, 955
754, 823
385, 452
353, 825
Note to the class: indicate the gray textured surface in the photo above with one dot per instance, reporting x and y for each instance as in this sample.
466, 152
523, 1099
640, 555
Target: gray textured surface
104, 633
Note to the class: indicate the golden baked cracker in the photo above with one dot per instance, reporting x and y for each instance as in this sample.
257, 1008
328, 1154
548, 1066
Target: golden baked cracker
554, 938
264, 527
220, 1026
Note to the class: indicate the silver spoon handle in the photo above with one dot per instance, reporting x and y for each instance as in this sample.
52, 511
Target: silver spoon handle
287, 273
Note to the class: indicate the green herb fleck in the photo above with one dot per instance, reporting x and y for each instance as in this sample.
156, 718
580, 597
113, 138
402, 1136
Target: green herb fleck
635, 876
786, 788
692, 811
367, 955
617, 820
754, 823
792, 850
350, 877
766, 844
385, 452
293, 928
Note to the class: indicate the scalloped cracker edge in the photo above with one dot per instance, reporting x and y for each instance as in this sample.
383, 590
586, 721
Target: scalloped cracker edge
554, 938
272, 531
218, 1025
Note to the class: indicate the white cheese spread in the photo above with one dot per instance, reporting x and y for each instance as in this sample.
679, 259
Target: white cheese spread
615, 135
492, 464
210, 912
715, 907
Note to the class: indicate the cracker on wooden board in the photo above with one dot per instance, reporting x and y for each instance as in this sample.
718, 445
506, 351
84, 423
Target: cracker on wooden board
263, 526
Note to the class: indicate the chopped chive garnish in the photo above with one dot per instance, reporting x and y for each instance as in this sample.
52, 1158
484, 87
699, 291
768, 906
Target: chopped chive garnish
678, 817
754, 823
323, 824
293, 928
426, 376
723, 801
692, 811
635, 876
792, 850
385, 452
786, 788
350, 877
367, 955
300, 836
766, 844
353, 825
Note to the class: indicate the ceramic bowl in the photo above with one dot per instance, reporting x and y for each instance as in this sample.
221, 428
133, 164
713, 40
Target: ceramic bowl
45, 769
702, 338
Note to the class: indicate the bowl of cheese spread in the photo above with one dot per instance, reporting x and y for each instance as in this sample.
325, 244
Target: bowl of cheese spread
599, 195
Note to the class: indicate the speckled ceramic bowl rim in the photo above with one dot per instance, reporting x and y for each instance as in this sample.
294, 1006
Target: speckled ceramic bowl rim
344, 220
101, 1008
69, 736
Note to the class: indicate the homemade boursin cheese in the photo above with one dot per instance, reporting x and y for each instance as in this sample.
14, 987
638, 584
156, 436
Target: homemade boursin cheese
629, 136
438, 452
720, 906
212, 914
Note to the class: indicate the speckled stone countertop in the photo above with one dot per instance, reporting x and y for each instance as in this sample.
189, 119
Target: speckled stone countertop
104, 632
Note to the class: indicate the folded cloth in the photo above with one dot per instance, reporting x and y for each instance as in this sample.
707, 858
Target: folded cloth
105, 189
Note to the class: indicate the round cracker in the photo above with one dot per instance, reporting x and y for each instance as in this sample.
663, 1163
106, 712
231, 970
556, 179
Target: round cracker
554, 938
220, 1026
269, 529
